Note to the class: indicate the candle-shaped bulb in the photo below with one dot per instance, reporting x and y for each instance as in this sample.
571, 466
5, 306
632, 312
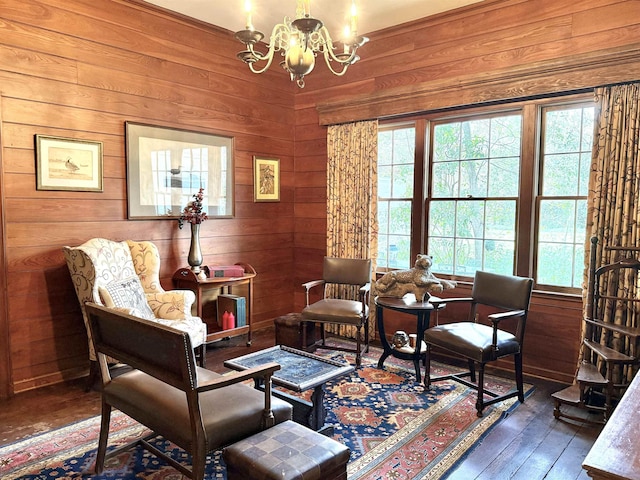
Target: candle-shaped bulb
346, 38
247, 8
354, 18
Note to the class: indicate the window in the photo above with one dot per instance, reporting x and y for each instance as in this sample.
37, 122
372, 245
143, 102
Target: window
474, 192
396, 159
566, 158
505, 190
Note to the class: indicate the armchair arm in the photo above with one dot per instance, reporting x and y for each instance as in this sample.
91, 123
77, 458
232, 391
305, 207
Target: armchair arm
264, 371
309, 285
436, 301
363, 293
496, 318
171, 304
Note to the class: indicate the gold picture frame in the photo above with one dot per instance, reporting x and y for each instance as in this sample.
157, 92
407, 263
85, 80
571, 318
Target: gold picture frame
266, 179
68, 164
167, 166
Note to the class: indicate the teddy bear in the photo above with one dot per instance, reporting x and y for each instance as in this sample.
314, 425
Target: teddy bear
417, 280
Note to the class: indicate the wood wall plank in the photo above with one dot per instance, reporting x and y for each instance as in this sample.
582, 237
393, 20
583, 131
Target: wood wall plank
82, 69
492, 51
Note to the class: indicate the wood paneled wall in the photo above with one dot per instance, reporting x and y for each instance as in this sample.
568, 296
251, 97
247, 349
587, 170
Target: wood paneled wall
492, 51
80, 69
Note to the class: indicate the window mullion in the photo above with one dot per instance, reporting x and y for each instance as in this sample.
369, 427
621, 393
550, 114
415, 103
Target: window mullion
525, 225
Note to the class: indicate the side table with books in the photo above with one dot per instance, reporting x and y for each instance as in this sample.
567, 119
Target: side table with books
216, 294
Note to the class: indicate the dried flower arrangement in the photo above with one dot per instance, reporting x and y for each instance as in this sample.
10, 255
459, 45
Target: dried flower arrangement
193, 213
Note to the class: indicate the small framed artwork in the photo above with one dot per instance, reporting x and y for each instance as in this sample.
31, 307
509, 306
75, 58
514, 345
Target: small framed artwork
166, 167
266, 179
68, 164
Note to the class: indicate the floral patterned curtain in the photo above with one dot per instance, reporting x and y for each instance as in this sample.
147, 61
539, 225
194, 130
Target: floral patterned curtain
352, 198
613, 214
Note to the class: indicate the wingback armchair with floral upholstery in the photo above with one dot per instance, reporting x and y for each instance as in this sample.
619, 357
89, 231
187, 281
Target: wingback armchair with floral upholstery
126, 276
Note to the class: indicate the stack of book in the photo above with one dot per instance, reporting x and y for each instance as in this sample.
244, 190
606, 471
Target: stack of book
233, 304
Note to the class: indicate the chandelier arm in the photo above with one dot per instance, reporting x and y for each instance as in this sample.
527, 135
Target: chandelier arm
268, 57
328, 61
326, 45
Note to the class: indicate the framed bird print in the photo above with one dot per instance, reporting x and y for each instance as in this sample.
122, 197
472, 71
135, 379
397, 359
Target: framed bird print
167, 166
68, 164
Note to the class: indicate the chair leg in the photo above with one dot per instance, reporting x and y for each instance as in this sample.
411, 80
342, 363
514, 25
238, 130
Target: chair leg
323, 334
480, 401
93, 375
366, 336
104, 436
358, 346
198, 463
519, 380
201, 353
472, 370
427, 367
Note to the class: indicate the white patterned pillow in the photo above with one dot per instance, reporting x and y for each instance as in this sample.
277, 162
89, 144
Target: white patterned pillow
127, 293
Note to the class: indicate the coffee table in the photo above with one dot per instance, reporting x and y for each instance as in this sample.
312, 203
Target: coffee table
300, 371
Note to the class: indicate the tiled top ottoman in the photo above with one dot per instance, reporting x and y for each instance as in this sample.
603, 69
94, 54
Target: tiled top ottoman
287, 451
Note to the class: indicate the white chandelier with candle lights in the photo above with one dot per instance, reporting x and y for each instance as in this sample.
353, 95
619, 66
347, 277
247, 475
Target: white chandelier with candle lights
299, 41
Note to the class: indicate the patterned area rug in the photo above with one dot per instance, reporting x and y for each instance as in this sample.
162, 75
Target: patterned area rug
394, 428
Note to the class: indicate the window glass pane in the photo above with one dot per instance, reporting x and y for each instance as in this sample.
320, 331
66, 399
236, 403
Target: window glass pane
473, 178
561, 174
504, 177
402, 181
446, 142
581, 222
468, 256
499, 256
383, 248
561, 134
470, 219
384, 181
557, 221
500, 220
587, 129
555, 264
384, 147
400, 217
505, 136
445, 180
585, 170
441, 250
474, 139
442, 217
399, 248
404, 143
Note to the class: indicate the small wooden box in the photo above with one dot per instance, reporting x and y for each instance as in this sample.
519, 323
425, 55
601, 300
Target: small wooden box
289, 331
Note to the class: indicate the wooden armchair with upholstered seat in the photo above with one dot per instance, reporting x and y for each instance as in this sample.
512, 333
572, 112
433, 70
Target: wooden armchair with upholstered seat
480, 343
345, 301
198, 410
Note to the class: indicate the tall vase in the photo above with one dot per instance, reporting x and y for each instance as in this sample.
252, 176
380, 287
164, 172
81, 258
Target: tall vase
195, 254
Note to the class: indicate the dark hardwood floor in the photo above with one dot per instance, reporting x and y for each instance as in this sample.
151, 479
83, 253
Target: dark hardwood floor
529, 444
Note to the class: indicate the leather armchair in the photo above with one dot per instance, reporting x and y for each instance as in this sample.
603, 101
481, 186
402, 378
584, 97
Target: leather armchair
346, 283
105, 272
198, 410
480, 343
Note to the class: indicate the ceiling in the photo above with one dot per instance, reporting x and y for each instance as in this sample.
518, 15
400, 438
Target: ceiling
372, 14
